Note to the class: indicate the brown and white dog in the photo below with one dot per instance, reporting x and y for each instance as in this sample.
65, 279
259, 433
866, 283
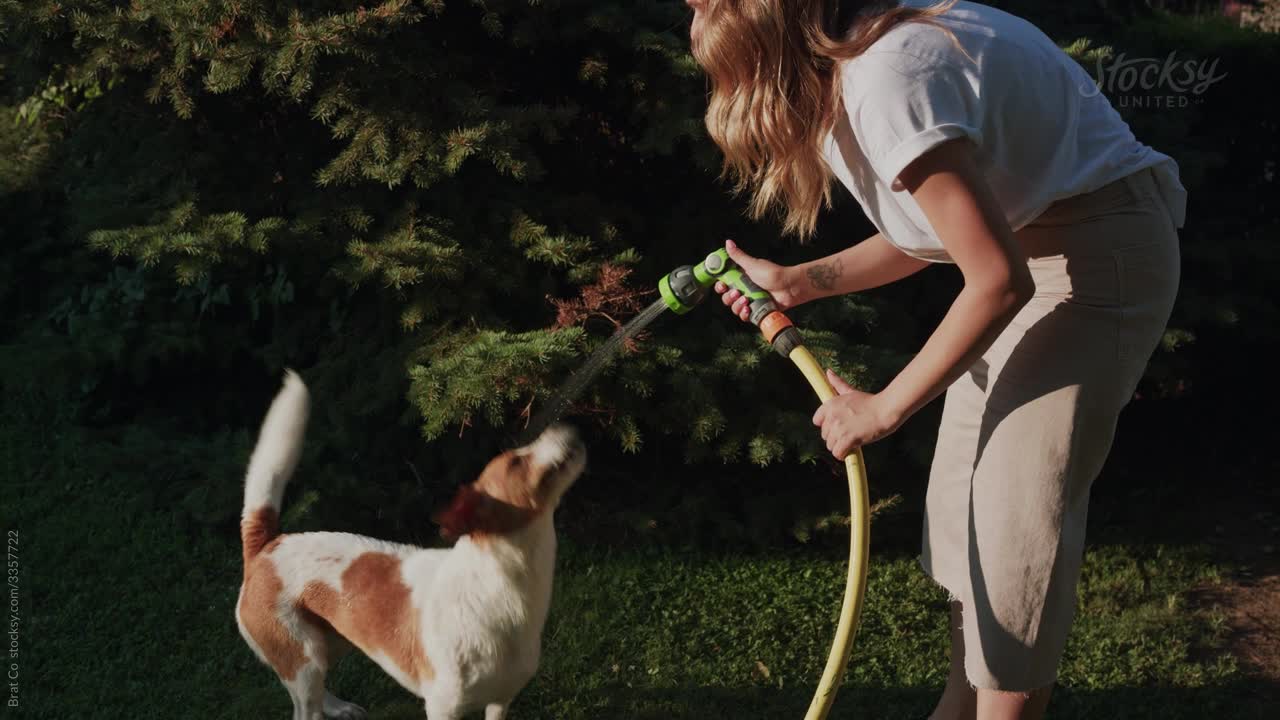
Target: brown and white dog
460, 627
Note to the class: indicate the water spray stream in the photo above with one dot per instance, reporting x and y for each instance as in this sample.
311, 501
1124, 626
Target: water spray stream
582, 377
683, 289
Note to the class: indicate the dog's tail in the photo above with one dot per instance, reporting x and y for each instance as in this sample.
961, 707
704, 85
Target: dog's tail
272, 463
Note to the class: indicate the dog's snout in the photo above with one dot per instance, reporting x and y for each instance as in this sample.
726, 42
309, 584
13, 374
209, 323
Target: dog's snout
559, 446
576, 452
563, 437
561, 433
576, 446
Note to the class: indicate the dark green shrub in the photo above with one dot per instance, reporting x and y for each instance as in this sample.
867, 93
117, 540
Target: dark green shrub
434, 210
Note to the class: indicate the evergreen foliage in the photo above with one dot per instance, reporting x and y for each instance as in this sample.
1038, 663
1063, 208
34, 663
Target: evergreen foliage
435, 210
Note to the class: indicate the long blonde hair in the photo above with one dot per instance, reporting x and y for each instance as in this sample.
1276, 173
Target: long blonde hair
775, 91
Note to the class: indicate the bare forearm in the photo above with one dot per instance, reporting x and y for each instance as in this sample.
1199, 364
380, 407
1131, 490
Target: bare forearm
952, 190
866, 265
972, 324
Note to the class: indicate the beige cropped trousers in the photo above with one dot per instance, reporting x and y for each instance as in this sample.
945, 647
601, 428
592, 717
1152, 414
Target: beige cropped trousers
1026, 430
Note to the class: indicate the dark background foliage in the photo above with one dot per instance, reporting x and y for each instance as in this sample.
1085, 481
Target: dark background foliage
400, 199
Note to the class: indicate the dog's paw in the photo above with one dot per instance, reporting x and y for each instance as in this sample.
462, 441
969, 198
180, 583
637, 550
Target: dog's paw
335, 709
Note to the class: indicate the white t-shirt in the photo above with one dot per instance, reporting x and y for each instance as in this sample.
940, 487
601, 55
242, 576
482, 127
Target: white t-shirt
1042, 129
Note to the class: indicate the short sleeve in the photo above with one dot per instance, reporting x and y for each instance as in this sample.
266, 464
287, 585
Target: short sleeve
901, 106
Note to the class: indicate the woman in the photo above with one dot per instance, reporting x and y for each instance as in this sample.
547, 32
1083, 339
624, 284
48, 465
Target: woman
970, 138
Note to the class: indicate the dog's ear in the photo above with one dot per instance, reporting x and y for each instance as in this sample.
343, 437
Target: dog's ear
463, 513
475, 511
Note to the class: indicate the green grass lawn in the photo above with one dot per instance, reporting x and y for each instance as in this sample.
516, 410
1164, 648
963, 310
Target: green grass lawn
127, 613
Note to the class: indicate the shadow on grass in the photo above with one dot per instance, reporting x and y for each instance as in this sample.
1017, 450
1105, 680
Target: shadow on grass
1242, 701
1237, 701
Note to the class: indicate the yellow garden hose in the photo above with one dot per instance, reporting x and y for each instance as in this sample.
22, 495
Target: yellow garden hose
855, 586
681, 290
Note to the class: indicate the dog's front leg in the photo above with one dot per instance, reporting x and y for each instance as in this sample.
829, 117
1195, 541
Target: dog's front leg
335, 709
443, 711
496, 711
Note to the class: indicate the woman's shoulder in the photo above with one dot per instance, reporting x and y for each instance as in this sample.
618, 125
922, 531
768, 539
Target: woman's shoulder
919, 45
919, 41
909, 55
968, 40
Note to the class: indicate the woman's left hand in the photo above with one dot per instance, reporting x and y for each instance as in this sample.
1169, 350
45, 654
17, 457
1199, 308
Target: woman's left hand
853, 418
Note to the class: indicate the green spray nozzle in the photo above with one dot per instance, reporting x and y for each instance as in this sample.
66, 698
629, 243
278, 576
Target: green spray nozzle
686, 286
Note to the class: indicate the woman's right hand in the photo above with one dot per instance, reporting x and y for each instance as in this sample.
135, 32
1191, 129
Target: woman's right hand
780, 281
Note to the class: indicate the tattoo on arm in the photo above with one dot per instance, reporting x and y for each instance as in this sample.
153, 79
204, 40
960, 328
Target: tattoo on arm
823, 276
